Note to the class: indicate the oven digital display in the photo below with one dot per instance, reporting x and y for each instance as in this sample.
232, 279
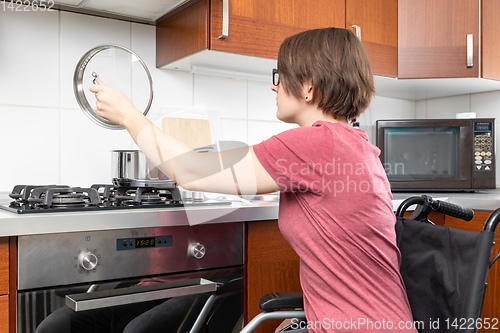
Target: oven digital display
144, 242
134, 243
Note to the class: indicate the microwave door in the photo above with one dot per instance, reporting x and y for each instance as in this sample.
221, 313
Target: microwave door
425, 158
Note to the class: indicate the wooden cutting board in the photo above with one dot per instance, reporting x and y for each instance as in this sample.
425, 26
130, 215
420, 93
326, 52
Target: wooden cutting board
194, 132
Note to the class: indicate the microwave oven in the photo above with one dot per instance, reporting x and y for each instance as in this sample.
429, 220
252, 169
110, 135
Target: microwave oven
438, 154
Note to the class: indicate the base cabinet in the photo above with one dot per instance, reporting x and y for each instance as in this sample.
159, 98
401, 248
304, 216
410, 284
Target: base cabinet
4, 314
271, 265
4, 285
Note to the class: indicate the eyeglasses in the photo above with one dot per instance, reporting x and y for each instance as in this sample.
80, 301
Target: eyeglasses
276, 77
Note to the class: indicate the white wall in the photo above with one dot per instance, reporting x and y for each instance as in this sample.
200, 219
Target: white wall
45, 137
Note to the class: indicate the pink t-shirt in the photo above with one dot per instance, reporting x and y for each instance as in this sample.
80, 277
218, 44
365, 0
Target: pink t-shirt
336, 212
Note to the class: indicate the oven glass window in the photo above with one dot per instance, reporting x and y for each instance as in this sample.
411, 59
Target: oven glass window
421, 153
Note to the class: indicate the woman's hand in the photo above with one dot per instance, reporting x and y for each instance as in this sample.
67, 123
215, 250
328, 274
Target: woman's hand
113, 105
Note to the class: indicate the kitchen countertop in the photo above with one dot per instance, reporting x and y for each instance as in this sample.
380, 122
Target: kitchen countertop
12, 224
486, 200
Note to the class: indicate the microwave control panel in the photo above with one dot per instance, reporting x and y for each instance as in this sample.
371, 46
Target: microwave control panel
483, 146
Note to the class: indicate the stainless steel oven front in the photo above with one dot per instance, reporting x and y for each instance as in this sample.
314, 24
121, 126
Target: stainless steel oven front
77, 269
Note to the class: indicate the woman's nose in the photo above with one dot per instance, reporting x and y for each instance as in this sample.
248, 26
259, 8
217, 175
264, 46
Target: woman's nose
274, 88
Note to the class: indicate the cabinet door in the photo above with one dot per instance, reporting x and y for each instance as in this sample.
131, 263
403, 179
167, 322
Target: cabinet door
4, 265
491, 304
433, 38
182, 34
257, 27
4, 314
378, 24
4, 284
271, 265
490, 41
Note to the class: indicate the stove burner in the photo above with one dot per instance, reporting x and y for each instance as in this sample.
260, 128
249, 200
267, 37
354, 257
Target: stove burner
66, 200
106, 191
139, 183
64, 197
152, 197
21, 193
147, 192
123, 193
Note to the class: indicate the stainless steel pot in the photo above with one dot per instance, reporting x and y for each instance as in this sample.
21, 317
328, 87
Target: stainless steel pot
133, 164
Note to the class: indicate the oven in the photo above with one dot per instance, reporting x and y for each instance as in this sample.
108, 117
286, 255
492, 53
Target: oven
88, 271
91, 273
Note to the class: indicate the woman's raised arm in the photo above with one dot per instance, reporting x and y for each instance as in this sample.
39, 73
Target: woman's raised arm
235, 171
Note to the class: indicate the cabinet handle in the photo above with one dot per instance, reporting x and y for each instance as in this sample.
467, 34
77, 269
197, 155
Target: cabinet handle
470, 51
357, 30
225, 19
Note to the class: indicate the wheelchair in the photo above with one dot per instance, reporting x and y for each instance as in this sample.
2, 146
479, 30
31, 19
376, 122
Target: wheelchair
444, 271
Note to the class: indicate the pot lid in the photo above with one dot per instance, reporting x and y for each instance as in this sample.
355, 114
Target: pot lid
117, 67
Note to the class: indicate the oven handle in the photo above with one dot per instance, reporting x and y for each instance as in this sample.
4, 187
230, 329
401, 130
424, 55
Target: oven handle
136, 294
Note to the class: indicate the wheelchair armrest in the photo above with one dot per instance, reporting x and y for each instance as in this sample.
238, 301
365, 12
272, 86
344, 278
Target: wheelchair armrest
280, 301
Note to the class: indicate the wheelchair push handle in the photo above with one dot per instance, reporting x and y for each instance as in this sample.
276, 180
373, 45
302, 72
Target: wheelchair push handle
425, 204
453, 210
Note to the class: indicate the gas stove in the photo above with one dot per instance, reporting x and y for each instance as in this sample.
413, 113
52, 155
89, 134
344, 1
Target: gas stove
121, 194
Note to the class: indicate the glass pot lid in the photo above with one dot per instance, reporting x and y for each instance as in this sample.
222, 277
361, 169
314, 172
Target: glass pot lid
117, 67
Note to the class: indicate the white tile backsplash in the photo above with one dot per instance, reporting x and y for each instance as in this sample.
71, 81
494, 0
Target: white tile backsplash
233, 130
261, 101
447, 107
171, 89
20, 160
79, 34
227, 95
384, 108
86, 149
486, 105
29, 58
259, 130
39, 52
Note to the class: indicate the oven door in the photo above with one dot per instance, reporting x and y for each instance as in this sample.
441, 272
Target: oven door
210, 299
106, 272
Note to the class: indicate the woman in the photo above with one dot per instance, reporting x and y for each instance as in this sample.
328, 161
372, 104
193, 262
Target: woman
335, 202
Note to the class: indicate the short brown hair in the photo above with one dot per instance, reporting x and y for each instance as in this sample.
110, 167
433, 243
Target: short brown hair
336, 62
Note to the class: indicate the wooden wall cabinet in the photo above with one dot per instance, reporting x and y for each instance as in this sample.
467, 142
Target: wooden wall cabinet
258, 27
433, 42
377, 21
407, 39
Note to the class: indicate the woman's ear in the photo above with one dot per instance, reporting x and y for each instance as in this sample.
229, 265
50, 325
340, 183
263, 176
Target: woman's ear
307, 91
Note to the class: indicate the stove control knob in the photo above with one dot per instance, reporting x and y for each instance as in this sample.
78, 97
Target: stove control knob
197, 250
87, 260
